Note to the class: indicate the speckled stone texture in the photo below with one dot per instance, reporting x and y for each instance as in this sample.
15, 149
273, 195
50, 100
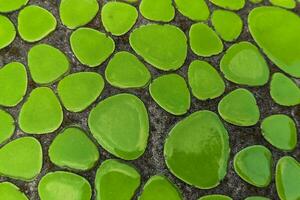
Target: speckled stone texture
152, 162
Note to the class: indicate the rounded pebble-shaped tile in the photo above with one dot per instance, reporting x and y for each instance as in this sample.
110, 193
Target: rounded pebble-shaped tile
7, 127
284, 91
9, 5
7, 36
229, 4
196, 10
163, 46
62, 185
289, 4
280, 130
227, 24
215, 197
124, 178
192, 155
204, 41
171, 93
244, 64
125, 70
9, 191
239, 108
118, 17
157, 10
288, 178
79, 90
35, 23
73, 149
21, 159
121, 126
205, 81
257, 198
75, 13
253, 164
13, 77
158, 187
266, 25
41, 113
47, 63
91, 47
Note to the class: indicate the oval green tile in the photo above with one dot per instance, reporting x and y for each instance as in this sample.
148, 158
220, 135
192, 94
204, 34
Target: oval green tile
253, 164
157, 10
227, 24
75, 13
9, 6
79, 90
239, 108
196, 10
13, 77
229, 4
124, 178
64, 185
266, 25
289, 4
7, 127
163, 46
215, 197
257, 198
21, 159
125, 70
7, 36
158, 187
284, 91
204, 41
288, 178
280, 131
41, 113
121, 126
73, 149
118, 17
9, 191
192, 155
47, 63
171, 93
205, 81
91, 47
244, 64
35, 23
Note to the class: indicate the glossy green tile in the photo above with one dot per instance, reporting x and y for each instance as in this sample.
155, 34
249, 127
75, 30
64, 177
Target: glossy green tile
157, 10
9, 191
9, 6
289, 4
7, 127
196, 10
229, 4
7, 36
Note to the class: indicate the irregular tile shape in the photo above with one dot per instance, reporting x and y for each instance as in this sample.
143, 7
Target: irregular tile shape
289, 4
79, 90
284, 91
192, 155
91, 47
157, 10
215, 197
171, 93
243, 64
257, 198
35, 23
64, 185
75, 13
9, 191
158, 187
9, 5
125, 70
196, 10
266, 25
21, 159
239, 108
227, 24
204, 41
13, 77
163, 46
124, 178
288, 178
229, 4
205, 81
118, 17
121, 126
7, 127
73, 149
7, 36
41, 113
280, 131
47, 63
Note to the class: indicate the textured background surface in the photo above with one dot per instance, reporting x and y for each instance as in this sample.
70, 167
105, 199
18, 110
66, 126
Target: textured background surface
152, 162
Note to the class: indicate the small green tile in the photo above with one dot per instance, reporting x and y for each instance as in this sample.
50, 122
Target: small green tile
7, 36
289, 4
229, 4
215, 197
7, 127
196, 10
157, 10
9, 5
9, 191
